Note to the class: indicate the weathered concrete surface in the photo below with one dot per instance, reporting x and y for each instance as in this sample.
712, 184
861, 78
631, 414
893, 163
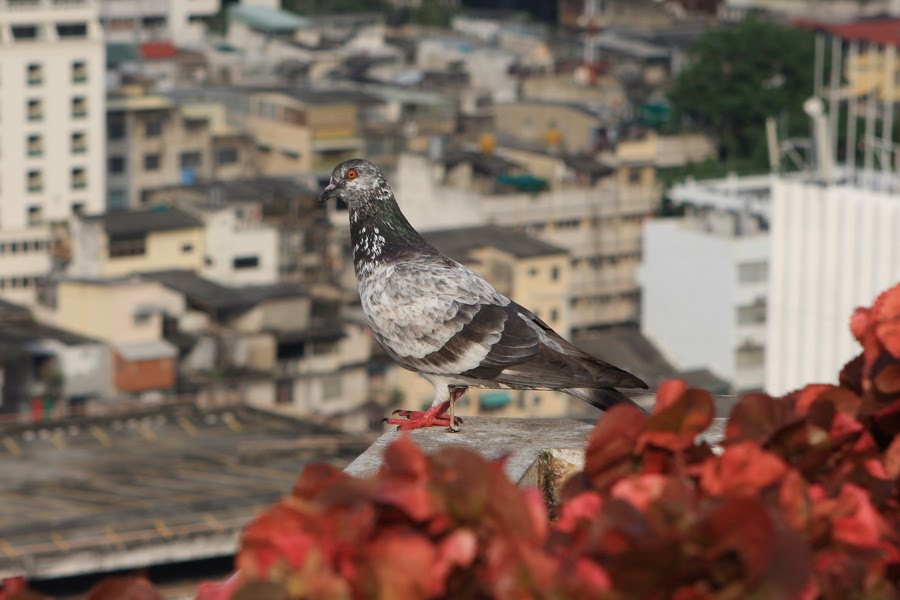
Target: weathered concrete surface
525, 440
492, 437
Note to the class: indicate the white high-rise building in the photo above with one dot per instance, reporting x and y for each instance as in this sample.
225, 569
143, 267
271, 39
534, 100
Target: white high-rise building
834, 247
52, 130
704, 279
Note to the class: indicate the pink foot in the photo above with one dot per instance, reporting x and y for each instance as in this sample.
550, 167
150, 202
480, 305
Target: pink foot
436, 416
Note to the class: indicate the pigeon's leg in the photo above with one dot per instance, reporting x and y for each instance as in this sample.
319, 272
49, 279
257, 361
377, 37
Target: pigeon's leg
455, 394
434, 416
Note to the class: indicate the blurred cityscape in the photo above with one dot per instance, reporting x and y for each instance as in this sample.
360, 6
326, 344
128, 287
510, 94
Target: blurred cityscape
693, 188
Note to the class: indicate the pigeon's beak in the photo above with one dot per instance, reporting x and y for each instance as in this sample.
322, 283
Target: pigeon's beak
327, 193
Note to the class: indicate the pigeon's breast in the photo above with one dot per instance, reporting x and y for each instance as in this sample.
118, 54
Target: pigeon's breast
414, 312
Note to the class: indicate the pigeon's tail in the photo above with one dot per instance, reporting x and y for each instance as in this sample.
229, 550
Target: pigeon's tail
602, 398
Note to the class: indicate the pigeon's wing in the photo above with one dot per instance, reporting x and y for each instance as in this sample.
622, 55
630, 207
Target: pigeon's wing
437, 316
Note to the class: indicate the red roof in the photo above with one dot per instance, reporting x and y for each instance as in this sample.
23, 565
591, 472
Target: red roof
158, 50
884, 32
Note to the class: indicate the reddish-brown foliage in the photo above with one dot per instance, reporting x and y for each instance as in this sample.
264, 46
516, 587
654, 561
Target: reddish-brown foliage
801, 500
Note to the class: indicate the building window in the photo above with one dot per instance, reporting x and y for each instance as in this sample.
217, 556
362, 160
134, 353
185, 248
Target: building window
35, 109
245, 262
71, 30
116, 199
79, 178
79, 107
35, 74
752, 314
116, 165
78, 208
750, 356
153, 128
753, 272
79, 71
187, 248
554, 273
554, 315
331, 387
79, 142
35, 215
22, 33
142, 318
190, 160
35, 181
227, 156
132, 245
35, 145
532, 272
151, 162
115, 127
635, 176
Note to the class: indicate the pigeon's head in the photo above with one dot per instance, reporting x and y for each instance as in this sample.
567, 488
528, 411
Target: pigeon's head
356, 181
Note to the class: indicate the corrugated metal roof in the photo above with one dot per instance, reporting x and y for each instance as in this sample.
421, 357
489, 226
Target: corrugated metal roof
884, 32
268, 19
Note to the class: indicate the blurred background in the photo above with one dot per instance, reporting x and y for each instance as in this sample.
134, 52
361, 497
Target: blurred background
701, 189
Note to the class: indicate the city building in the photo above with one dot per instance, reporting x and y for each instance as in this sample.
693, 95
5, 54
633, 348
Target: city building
124, 242
152, 142
592, 207
46, 370
178, 21
52, 114
704, 279
264, 209
834, 225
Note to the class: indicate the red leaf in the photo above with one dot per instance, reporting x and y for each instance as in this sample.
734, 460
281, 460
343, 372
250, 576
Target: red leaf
402, 566
854, 520
892, 458
124, 588
887, 379
612, 441
402, 481
639, 490
795, 501
316, 477
583, 507
669, 391
743, 526
592, 576
677, 426
743, 468
809, 394
757, 417
210, 590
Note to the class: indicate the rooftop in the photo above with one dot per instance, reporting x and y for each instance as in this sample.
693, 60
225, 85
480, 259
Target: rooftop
205, 294
264, 18
174, 482
136, 222
131, 102
881, 31
628, 349
459, 242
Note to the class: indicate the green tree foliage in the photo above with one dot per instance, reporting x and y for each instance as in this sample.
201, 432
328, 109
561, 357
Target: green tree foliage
739, 76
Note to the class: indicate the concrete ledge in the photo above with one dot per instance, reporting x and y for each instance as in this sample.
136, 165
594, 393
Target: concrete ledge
543, 452
492, 437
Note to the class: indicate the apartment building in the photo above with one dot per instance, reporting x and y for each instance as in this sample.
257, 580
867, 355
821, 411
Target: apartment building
182, 22
125, 242
705, 279
152, 142
52, 108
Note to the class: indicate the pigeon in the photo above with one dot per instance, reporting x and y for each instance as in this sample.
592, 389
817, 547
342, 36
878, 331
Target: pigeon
437, 318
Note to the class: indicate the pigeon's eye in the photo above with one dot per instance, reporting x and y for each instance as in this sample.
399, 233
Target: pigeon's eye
351, 174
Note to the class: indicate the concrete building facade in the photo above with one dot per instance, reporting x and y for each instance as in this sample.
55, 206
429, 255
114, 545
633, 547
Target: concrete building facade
52, 107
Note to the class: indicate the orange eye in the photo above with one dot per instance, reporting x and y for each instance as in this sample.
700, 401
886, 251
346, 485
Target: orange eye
352, 174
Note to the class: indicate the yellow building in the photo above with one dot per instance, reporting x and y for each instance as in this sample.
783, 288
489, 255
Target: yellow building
121, 243
534, 274
302, 131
